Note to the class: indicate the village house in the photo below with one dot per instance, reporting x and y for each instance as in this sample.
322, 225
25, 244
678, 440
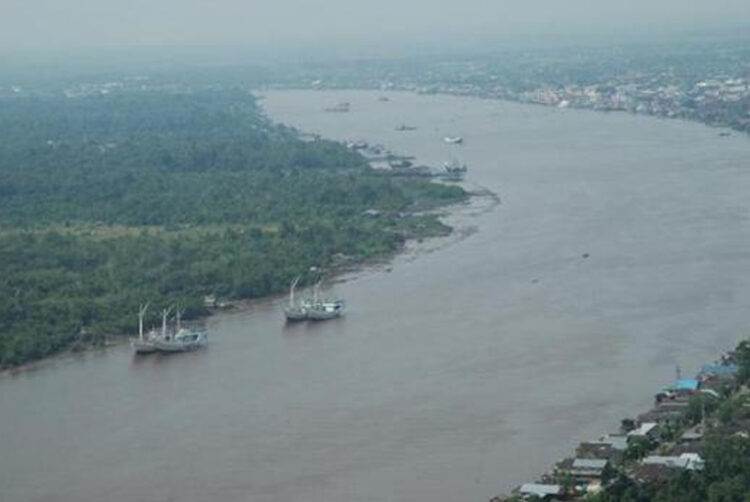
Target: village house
582, 470
541, 491
688, 461
647, 430
608, 447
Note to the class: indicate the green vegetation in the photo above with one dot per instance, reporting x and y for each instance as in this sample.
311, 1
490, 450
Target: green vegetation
112, 200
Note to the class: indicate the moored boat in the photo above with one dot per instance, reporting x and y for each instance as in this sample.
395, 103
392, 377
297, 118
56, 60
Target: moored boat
454, 170
181, 340
342, 107
453, 140
312, 309
143, 344
184, 340
324, 310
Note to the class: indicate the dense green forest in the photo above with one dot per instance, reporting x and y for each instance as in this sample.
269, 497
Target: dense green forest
108, 201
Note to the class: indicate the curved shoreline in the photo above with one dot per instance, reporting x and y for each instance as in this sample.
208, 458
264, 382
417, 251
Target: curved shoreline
336, 274
501, 99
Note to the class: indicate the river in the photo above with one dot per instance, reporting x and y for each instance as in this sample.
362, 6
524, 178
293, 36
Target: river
467, 365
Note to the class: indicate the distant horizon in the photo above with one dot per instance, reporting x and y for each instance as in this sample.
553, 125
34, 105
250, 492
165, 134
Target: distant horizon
113, 55
349, 27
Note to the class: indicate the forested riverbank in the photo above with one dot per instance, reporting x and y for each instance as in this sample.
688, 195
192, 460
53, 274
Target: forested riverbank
108, 201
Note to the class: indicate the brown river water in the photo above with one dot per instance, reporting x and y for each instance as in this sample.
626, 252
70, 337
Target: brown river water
467, 365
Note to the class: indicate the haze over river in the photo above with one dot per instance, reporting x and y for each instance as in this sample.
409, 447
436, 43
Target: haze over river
470, 367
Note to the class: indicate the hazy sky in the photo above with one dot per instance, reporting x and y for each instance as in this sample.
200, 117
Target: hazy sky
71, 23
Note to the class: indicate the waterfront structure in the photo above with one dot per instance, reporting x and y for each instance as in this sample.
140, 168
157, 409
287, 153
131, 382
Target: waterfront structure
646, 430
609, 448
582, 470
687, 461
541, 491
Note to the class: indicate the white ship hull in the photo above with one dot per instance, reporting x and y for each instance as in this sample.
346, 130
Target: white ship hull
295, 314
182, 342
143, 346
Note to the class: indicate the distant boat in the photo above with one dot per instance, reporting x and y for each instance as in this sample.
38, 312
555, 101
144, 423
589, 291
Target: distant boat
400, 163
180, 340
454, 170
357, 145
329, 309
404, 127
453, 140
313, 309
184, 340
383, 98
342, 107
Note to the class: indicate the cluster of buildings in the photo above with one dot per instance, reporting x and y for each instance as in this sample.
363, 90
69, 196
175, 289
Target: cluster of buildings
721, 100
724, 101
717, 101
660, 442
709, 83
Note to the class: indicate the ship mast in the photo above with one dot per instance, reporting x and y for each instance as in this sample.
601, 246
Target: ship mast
164, 314
141, 314
178, 318
291, 290
316, 291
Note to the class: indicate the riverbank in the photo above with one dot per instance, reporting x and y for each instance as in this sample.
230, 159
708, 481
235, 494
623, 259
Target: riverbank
682, 449
572, 343
547, 97
406, 226
128, 217
462, 372
701, 80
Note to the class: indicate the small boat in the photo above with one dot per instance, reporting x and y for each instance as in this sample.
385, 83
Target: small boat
312, 309
453, 140
181, 340
357, 145
404, 127
324, 310
143, 344
338, 108
184, 340
454, 171
399, 163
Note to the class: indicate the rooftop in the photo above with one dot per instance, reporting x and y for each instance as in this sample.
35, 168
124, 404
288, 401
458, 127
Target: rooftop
719, 369
589, 463
685, 384
690, 461
644, 430
540, 490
